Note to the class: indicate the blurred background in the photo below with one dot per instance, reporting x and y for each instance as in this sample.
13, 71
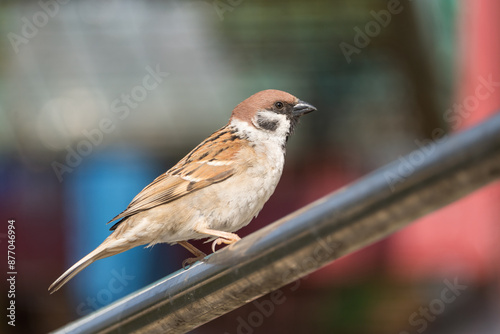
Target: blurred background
97, 98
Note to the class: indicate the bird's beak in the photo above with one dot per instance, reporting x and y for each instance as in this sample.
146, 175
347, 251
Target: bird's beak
302, 108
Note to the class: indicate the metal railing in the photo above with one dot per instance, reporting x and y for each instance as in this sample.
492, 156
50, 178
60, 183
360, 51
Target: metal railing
338, 224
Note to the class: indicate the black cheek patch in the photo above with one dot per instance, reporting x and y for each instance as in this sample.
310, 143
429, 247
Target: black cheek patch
267, 124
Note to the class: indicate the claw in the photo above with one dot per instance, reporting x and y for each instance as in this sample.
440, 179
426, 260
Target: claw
220, 241
215, 243
188, 262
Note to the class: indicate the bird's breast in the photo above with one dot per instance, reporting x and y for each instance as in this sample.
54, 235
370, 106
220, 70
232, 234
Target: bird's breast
241, 197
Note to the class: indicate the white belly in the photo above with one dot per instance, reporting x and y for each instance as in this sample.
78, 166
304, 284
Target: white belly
240, 201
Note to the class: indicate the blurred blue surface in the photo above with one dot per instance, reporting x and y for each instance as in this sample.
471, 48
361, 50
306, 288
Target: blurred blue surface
99, 189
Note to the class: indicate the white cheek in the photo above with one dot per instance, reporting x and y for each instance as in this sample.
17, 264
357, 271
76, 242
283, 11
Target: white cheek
269, 138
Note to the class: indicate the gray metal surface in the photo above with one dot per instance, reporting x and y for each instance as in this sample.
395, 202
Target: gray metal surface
338, 224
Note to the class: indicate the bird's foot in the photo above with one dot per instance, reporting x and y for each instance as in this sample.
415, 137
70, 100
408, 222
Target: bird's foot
228, 241
199, 255
188, 262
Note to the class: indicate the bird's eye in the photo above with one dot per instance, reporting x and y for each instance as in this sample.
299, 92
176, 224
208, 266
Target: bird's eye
278, 105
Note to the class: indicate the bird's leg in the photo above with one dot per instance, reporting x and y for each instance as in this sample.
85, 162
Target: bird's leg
195, 251
223, 237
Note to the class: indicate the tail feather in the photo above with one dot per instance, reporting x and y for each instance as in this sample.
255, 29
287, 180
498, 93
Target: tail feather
95, 255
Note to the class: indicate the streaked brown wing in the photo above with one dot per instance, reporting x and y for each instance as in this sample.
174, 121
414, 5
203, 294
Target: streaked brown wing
202, 167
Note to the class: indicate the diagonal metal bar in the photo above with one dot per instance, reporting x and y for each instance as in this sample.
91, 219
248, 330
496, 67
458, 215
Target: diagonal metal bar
345, 221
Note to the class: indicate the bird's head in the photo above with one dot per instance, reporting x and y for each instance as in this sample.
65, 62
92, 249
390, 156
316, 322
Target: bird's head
272, 111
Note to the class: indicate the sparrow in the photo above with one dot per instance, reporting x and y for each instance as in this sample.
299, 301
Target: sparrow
215, 190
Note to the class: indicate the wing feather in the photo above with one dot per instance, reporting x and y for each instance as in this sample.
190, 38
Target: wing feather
210, 162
